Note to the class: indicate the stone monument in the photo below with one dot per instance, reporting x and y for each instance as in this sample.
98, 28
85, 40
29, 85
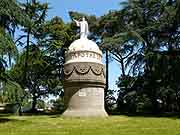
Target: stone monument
84, 77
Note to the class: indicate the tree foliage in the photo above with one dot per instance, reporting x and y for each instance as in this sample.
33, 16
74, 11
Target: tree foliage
146, 35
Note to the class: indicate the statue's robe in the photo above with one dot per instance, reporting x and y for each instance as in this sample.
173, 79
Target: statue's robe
83, 28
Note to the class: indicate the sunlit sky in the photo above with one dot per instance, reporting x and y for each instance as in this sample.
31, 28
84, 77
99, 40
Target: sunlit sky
91, 7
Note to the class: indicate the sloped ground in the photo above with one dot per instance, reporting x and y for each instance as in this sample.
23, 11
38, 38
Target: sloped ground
113, 125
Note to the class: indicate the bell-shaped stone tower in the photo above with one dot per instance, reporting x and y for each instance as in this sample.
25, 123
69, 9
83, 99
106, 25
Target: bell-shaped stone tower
84, 80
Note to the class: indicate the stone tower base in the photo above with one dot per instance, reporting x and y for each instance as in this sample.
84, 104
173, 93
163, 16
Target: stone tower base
85, 102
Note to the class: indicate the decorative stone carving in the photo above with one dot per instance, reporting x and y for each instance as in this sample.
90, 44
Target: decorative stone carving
84, 72
84, 68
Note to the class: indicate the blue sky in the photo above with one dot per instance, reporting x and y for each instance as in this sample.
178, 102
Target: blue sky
91, 7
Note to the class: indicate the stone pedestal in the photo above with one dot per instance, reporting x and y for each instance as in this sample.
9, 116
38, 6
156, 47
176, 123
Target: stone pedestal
84, 80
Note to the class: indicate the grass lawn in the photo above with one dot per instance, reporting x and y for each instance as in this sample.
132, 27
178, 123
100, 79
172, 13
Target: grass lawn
113, 125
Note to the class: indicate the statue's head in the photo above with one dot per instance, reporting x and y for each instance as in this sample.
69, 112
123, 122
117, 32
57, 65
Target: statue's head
83, 19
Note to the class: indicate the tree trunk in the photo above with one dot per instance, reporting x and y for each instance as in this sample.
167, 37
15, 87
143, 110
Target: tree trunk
19, 110
107, 79
34, 102
178, 101
123, 73
154, 102
27, 55
107, 70
123, 68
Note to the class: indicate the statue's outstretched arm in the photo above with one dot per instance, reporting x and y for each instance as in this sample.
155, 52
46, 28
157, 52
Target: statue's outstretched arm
77, 22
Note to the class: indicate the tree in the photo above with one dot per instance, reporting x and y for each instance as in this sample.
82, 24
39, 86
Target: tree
37, 13
159, 29
11, 15
41, 79
44, 55
56, 39
139, 37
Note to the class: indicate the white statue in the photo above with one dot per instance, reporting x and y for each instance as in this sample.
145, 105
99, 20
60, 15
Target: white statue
84, 30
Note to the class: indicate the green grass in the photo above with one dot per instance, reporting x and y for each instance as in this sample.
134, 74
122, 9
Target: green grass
114, 125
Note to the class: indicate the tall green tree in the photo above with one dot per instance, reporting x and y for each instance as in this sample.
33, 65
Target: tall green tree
144, 33
41, 78
11, 15
44, 65
37, 12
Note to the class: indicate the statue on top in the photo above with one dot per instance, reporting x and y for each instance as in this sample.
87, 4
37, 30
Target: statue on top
84, 30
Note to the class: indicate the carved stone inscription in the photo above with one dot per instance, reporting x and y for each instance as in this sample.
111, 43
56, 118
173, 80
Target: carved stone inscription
89, 92
84, 54
82, 93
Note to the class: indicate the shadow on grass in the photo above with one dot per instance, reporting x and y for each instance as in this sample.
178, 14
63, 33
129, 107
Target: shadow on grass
6, 120
41, 113
5, 117
145, 115
150, 115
